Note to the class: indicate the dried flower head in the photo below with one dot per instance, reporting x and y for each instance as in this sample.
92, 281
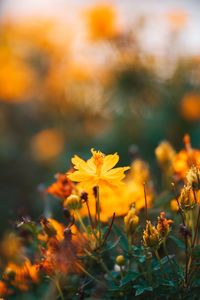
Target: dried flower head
193, 177
186, 198
151, 236
163, 225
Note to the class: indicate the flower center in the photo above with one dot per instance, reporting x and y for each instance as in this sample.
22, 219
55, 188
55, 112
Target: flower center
98, 157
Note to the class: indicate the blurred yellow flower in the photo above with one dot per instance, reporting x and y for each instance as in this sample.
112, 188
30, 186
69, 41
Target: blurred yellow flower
174, 205
16, 79
10, 247
47, 145
165, 153
98, 170
190, 107
102, 22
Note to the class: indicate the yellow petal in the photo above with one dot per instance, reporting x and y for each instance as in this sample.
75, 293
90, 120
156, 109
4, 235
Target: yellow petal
109, 162
117, 173
80, 164
79, 176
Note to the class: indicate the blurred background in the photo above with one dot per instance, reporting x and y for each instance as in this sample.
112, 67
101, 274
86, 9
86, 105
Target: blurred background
113, 75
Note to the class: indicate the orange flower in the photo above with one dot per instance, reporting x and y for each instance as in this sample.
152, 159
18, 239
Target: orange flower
62, 188
98, 170
184, 160
163, 225
46, 145
4, 290
101, 22
174, 205
190, 107
61, 253
22, 275
51, 228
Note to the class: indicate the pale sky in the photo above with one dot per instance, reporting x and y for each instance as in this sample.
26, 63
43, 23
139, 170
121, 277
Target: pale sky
155, 35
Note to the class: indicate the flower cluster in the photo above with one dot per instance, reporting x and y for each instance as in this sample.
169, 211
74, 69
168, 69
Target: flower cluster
93, 240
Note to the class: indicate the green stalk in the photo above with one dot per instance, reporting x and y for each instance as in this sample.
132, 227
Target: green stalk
59, 289
81, 222
98, 213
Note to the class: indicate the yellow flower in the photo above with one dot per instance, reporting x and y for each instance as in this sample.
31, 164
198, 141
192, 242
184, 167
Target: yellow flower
98, 170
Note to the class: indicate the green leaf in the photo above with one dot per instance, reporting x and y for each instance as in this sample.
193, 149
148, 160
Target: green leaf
163, 261
111, 245
131, 276
196, 252
141, 289
168, 283
123, 240
178, 242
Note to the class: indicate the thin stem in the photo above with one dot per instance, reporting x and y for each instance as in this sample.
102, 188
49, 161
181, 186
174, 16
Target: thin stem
89, 214
121, 272
87, 273
81, 221
180, 209
98, 213
59, 289
105, 268
109, 230
172, 265
196, 228
145, 199
158, 258
186, 261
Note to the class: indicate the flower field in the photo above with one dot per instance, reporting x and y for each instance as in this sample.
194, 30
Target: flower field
99, 151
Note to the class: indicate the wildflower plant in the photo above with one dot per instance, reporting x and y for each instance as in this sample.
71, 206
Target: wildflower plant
146, 251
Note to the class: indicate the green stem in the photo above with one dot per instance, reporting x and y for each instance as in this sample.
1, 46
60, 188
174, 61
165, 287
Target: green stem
81, 222
98, 213
105, 268
87, 273
158, 258
59, 289
121, 272
171, 264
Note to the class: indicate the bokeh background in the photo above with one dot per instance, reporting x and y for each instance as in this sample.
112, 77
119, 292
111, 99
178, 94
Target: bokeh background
113, 75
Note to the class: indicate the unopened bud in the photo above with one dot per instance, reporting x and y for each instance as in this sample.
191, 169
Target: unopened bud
72, 202
120, 260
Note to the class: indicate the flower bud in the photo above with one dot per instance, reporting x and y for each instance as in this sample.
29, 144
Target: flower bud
120, 260
131, 221
72, 202
164, 153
